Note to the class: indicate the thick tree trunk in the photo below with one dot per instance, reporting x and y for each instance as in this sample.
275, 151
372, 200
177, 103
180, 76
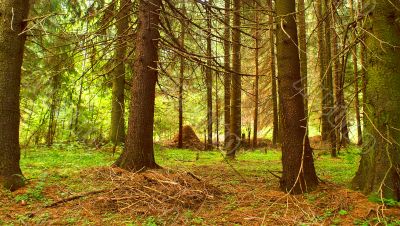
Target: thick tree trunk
298, 165
118, 95
209, 80
380, 163
272, 64
12, 40
227, 76
236, 85
256, 82
139, 152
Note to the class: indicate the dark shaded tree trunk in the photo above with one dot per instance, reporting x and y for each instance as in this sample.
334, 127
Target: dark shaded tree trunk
12, 41
272, 64
257, 78
118, 90
339, 113
236, 85
298, 174
139, 152
227, 76
209, 80
378, 173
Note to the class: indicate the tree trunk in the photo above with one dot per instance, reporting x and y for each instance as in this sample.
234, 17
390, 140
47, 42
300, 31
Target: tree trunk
118, 95
356, 82
217, 120
337, 76
256, 82
51, 130
139, 152
329, 77
340, 109
363, 62
272, 64
209, 80
298, 174
236, 86
325, 66
227, 76
380, 162
12, 16
303, 52
181, 81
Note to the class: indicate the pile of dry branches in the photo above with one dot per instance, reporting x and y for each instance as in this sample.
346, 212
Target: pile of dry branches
157, 192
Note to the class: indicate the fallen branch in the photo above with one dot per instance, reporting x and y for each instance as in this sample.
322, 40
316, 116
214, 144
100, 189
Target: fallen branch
75, 197
273, 174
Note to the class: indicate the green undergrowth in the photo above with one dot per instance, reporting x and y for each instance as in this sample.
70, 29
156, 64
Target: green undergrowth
62, 161
340, 170
63, 165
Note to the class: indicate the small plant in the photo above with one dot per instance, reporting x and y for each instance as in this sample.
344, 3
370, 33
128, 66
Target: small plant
32, 194
191, 219
343, 212
386, 202
336, 221
198, 220
232, 203
151, 221
71, 220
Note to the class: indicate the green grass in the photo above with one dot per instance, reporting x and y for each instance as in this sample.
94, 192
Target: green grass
61, 166
340, 170
60, 162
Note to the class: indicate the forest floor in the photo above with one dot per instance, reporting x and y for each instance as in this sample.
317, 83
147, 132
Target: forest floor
194, 188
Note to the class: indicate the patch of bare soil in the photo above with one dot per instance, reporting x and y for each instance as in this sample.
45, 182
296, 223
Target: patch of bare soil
189, 140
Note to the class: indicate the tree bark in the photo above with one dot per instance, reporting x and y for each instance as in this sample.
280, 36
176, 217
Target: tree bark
272, 64
227, 76
298, 174
362, 62
139, 152
181, 81
118, 90
303, 52
236, 85
256, 82
380, 162
356, 82
325, 67
51, 130
12, 41
209, 79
